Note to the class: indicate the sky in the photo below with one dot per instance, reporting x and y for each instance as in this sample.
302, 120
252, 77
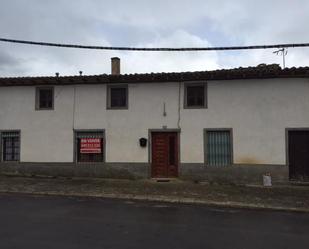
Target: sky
142, 23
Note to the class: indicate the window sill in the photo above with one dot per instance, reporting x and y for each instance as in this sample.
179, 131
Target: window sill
195, 107
117, 108
44, 109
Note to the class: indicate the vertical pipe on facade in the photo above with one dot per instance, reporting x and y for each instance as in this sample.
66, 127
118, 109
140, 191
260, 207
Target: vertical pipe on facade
179, 97
73, 124
74, 104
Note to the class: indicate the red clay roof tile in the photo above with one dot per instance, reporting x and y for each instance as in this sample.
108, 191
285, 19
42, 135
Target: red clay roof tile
259, 72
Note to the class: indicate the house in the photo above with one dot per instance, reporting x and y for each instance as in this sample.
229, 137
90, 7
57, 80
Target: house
231, 125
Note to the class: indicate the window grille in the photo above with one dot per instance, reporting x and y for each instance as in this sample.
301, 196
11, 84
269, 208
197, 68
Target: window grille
10, 146
96, 156
219, 151
195, 95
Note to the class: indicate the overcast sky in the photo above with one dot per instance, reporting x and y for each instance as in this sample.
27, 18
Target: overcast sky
152, 23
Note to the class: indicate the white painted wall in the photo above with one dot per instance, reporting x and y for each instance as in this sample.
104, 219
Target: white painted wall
257, 110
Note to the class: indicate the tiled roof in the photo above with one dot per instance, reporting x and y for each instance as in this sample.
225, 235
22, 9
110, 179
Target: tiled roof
262, 71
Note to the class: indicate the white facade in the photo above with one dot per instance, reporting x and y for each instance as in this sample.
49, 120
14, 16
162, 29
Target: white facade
258, 111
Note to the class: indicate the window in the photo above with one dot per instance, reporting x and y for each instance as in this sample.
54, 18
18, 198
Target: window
10, 143
195, 95
218, 147
117, 97
44, 98
89, 146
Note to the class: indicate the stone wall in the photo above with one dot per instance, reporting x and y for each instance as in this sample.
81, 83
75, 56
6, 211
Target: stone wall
237, 174
104, 170
234, 174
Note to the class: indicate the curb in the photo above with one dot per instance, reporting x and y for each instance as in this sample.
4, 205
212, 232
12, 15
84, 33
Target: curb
166, 199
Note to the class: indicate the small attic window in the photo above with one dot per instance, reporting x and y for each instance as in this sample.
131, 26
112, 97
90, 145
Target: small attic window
44, 98
195, 95
117, 97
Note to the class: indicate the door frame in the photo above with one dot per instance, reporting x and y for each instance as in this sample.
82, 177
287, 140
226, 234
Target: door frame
287, 159
167, 130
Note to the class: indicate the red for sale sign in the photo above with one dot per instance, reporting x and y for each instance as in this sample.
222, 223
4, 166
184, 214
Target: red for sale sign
90, 145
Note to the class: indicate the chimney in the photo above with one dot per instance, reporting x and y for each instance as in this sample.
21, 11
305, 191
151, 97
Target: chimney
115, 66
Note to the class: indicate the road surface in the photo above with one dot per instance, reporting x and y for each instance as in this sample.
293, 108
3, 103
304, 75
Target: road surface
64, 222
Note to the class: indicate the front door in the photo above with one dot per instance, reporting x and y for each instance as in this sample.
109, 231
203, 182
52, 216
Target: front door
298, 149
164, 151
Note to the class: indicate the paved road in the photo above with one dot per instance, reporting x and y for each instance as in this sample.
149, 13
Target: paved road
60, 222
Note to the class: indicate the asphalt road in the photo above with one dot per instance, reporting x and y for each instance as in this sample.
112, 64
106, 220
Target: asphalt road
61, 222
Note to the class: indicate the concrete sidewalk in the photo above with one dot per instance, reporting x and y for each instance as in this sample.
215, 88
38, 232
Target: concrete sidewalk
289, 198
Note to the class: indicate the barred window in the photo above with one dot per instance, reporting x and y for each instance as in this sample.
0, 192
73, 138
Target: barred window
219, 147
10, 146
89, 146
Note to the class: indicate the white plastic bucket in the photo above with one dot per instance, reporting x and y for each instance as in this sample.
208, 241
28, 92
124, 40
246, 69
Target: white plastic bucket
267, 180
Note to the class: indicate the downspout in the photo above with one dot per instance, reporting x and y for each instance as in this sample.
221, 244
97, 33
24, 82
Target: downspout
74, 103
73, 125
179, 100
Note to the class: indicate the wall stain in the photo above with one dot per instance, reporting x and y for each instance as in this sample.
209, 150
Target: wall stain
248, 160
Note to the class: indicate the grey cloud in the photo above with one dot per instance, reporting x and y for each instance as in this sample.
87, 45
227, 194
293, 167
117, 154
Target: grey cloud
10, 65
145, 23
7, 60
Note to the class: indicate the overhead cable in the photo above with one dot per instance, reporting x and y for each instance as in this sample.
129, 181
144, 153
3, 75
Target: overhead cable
154, 49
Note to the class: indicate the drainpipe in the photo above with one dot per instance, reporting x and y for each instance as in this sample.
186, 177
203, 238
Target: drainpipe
179, 93
73, 125
74, 104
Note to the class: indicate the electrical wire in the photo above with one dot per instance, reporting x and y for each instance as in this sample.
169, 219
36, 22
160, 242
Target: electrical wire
153, 49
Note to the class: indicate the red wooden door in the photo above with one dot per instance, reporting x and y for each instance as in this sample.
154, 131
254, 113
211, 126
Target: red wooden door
164, 154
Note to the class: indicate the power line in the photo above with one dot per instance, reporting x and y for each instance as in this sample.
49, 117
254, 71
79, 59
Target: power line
164, 49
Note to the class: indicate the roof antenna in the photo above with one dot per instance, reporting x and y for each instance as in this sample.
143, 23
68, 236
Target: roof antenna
283, 52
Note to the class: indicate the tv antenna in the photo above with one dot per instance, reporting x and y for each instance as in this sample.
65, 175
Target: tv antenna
283, 52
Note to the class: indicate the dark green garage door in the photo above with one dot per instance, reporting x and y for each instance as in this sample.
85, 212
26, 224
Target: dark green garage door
218, 147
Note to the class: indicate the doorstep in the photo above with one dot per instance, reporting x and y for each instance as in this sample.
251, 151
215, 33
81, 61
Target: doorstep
163, 179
